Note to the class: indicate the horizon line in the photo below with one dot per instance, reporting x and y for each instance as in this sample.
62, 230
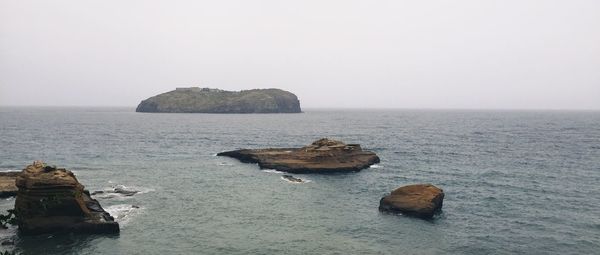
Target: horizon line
335, 108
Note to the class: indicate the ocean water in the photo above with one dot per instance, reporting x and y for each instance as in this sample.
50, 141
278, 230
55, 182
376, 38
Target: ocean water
516, 182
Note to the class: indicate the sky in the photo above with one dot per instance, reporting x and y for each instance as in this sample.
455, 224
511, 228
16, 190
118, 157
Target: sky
469, 54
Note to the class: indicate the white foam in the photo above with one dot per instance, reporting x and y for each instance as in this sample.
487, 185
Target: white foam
123, 213
140, 190
376, 166
111, 196
273, 171
225, 164
109, 192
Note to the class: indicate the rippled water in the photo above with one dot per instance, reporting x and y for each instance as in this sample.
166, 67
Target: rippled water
515, 182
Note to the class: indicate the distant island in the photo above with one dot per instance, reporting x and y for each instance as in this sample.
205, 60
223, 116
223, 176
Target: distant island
207, 100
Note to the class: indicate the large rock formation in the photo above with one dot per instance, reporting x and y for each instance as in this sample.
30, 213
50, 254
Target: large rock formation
52, 200
7, 184
322, 156
205, 100
420, 200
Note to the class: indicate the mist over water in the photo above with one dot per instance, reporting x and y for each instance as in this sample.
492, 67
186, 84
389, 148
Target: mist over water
525, 54
521, 182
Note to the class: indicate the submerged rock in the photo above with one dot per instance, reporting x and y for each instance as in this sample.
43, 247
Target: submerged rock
97, 192
322, 156
291, 178
7, 184
50, 199
120, 189
205, 100
125, 192
420, 200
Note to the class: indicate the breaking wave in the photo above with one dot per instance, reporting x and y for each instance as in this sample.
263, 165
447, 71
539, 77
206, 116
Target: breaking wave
272, 171
123, 213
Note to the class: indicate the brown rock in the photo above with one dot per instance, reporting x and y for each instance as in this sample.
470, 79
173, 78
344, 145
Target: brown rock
420, 200
51, 200
322, 156
7, 184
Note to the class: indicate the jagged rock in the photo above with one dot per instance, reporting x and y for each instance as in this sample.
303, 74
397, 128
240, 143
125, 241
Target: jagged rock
322, 156
205, 100
7, 184
50, 199
420, 200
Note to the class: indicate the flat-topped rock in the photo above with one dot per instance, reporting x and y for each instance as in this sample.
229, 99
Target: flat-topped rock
206, 100
7, 184
322, 156
51, 199
420, 200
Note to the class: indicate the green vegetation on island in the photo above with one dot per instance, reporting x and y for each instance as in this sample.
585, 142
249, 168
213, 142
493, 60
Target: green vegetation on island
206, 100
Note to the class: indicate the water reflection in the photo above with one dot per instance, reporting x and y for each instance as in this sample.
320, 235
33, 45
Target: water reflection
50, 244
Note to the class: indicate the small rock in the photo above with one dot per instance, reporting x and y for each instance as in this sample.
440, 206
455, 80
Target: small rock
419, 200
125, 192
97, 192
292, 178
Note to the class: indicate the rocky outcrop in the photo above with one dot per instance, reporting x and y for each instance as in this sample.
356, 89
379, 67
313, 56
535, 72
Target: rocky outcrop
205, 100
420, 200
50, 199
7, 184
322, 156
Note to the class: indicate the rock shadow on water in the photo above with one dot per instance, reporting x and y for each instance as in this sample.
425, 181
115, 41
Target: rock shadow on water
437, 216
57, 243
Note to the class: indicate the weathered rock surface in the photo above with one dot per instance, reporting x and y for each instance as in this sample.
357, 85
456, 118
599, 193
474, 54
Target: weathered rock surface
420, 200
205, 100
322, 156
7, 184
52, 200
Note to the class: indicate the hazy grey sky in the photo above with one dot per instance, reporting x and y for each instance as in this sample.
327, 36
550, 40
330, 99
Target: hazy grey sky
392, 54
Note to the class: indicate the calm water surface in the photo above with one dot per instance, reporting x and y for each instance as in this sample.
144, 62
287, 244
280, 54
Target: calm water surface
515, 181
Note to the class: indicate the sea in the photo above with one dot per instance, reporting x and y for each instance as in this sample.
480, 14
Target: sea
515, 182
